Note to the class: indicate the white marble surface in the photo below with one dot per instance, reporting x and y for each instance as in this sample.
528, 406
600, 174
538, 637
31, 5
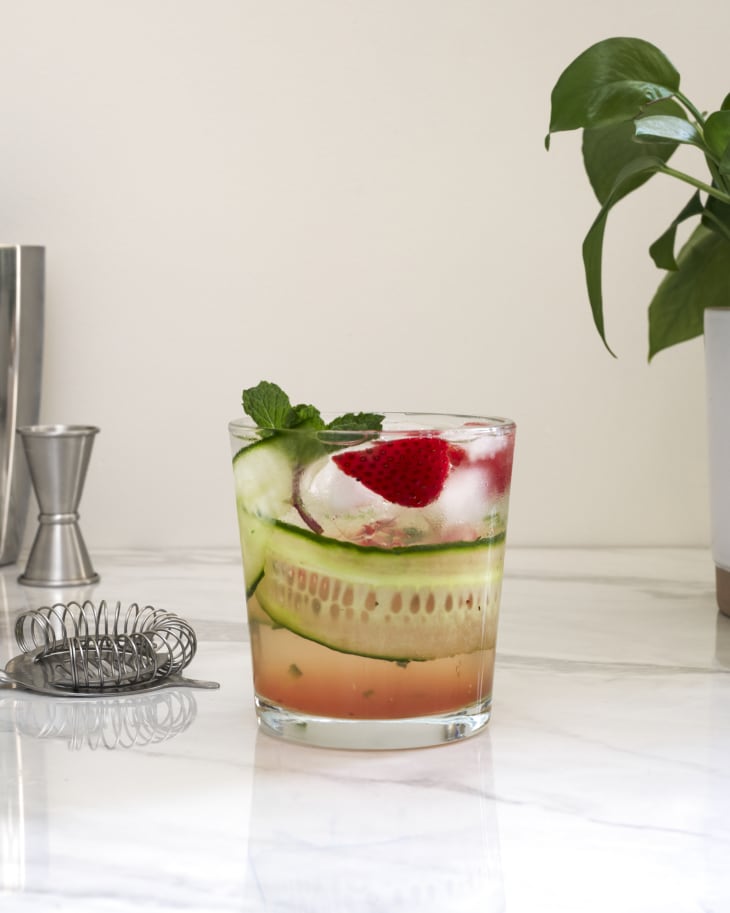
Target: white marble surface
601, 784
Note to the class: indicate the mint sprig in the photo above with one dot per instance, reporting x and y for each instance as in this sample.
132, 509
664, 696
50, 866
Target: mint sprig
267, 405
270, 407
357, 421
272, 411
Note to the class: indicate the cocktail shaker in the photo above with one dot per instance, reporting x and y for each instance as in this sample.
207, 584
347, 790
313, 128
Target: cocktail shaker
22, 280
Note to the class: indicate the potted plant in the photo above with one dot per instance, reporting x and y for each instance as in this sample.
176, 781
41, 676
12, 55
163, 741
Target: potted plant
624, 94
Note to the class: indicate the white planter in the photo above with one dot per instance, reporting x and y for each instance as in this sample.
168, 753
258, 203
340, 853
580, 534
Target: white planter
717, 360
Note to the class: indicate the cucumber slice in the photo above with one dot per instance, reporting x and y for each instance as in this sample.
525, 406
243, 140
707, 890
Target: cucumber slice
263, 476
255, 535
402, 604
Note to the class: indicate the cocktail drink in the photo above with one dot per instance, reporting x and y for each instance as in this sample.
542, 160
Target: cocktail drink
373, 550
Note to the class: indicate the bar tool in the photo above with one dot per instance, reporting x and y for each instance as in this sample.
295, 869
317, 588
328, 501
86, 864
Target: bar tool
58, 458
22, 280
109, 723
88, 650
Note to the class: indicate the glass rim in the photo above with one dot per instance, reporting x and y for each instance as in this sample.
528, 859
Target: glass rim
429, 423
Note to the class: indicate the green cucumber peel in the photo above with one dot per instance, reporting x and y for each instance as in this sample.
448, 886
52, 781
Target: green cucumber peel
256, 581
459, 567
356, 548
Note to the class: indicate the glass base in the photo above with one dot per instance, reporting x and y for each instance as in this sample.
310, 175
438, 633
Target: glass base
383, 735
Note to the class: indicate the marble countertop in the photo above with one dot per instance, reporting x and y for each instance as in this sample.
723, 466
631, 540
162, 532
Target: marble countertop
602, 782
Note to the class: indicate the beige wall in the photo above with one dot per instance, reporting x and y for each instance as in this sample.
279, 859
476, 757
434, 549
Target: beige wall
353, 199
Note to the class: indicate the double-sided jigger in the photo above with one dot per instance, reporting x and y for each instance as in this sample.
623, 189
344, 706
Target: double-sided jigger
58, 458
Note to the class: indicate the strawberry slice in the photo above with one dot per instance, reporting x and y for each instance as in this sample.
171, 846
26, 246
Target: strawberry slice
409, 471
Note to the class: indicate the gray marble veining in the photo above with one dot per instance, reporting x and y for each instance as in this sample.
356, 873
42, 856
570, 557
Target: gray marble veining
602, 782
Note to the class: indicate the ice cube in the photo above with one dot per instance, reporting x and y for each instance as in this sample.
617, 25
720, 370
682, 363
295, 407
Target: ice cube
464, 499
485, 446
334, 492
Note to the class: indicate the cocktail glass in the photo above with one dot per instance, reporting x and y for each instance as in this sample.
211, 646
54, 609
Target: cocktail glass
373, 566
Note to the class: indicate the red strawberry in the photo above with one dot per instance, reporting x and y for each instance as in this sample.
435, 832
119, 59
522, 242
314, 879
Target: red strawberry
499, 468
409, 471
457, 455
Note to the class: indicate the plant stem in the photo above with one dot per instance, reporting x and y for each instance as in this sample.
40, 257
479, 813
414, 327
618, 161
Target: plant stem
714, 170
691, 108
700, 185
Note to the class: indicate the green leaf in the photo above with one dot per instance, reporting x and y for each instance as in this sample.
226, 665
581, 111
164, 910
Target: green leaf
357, 421
662, 250
717, 137
725, 106
267, 405
271, 410
593, 243
363, 425
304, 416
656, 128
610, 82
608, 150
716, 216
725, 164
287, 426
702, 280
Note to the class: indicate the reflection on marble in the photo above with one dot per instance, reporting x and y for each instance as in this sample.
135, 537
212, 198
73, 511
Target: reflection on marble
101, 722
334, 830
602, 783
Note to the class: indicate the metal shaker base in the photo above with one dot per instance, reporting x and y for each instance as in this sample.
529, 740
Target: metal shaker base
722, 587
79, 581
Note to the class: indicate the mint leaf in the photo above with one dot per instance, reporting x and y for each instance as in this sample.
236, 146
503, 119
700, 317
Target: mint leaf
357, 421
271, 409
267, 405
361, 424
304, 416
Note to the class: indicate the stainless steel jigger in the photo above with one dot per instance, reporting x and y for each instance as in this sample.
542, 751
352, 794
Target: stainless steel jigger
58, 457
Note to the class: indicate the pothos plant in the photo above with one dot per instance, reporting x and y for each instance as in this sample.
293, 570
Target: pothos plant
624, 94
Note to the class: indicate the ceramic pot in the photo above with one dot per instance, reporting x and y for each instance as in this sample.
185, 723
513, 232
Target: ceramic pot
717, 360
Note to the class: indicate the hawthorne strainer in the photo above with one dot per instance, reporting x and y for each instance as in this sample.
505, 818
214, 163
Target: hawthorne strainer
81, 649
